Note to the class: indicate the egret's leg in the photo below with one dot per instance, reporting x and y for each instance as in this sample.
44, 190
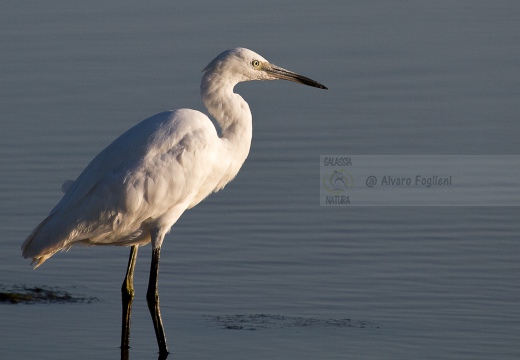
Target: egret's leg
127, 296
152, 297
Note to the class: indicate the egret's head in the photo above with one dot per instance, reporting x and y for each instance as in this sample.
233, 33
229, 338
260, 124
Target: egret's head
242, 64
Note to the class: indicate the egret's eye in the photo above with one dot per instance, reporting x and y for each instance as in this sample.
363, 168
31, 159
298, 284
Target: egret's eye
255, 63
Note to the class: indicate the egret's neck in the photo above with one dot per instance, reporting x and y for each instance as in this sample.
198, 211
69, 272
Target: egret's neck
231, 112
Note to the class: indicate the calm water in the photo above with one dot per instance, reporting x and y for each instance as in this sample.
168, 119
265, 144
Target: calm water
407, 78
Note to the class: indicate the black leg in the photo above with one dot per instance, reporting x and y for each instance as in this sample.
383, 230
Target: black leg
127, 296
152, 297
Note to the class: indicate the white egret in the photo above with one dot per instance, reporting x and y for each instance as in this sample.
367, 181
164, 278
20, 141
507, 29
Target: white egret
136, 188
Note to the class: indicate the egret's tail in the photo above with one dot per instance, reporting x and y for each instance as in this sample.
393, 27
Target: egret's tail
32, 246
40, 245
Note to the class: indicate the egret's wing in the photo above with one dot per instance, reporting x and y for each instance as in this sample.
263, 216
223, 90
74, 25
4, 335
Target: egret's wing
66, 186
130, 145
142, 175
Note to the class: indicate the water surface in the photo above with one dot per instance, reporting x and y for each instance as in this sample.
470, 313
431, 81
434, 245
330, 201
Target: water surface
380, 283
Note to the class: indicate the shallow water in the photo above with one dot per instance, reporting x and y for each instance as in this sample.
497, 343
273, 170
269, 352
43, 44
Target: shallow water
291, 279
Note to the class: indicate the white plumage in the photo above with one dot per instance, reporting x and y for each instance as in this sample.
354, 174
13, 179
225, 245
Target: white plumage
146, 178
136, 188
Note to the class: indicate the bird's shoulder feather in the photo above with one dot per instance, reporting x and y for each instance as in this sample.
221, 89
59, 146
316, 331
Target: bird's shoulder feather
161, 134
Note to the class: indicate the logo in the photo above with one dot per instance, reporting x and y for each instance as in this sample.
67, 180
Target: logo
337, 181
